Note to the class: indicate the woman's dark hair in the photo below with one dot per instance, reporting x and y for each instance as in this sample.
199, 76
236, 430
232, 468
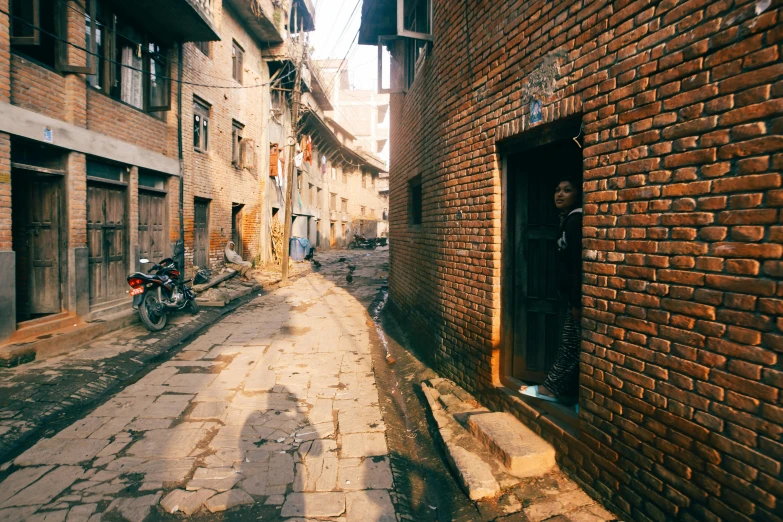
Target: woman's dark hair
575, 182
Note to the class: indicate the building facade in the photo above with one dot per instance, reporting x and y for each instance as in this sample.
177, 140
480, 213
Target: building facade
128, 137
670, 114
90, 172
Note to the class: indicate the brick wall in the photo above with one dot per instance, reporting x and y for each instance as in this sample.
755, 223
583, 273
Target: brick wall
37, 88
681, 103
5, 139
210, 174
123, 122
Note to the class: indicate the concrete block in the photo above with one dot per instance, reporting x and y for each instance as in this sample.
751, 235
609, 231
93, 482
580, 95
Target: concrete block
521, 451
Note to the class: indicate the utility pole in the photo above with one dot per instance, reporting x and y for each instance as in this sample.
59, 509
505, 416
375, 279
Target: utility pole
289, 200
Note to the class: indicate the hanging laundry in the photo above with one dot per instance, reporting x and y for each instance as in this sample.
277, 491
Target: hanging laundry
308, 150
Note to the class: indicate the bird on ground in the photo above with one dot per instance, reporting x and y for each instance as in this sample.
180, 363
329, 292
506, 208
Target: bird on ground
349, 278
341, 260
316, 264
351, 268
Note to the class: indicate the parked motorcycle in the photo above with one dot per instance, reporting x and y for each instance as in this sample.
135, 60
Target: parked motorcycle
159, 293
360, 241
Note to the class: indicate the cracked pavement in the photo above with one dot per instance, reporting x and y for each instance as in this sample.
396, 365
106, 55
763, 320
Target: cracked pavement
272, 412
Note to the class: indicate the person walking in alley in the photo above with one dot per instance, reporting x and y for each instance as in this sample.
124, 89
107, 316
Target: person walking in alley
562, 381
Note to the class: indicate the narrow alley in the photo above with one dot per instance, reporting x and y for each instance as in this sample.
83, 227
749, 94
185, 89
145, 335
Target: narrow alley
286, 409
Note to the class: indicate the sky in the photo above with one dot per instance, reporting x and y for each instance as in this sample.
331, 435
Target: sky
336, 26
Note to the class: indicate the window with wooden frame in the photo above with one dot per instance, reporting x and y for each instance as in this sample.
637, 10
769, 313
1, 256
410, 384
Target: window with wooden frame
39, 30
203, 47
333, 201
345, 177
236, 139
237, 60
200, 126
363, 210
131, 65
344, 206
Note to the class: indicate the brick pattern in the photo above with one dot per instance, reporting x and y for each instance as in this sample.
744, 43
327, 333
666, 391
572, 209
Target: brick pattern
5, 54
5, 192
76, 194
37, 88
123, 122
681, 102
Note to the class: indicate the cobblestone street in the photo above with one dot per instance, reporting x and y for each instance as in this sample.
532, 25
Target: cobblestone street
273, 412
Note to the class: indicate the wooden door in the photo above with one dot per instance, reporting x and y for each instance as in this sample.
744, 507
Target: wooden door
236, 228
152, 226
201, 233
537, 310
106, 241
332, 235
36, 240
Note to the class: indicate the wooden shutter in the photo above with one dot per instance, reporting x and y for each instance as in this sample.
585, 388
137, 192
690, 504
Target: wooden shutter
247, 152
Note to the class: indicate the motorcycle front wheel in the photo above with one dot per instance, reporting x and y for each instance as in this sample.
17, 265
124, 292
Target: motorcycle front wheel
152, 313
192, 307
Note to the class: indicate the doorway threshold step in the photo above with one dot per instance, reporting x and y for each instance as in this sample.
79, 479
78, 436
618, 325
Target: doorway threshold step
522, 452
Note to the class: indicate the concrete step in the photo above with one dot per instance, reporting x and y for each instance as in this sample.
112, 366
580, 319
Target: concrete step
522, 452
42, 326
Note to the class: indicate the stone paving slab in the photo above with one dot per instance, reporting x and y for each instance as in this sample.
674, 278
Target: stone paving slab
249, 417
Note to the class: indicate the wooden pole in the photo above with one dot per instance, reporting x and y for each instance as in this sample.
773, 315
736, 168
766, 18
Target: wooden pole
289, 200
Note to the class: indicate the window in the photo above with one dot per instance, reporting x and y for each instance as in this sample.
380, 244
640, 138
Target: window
364, 179
237, 57
414, 187
39, 30
345, 177
344, 206
200, 126
319, 198
363, 210
333, 201
414, 28
236, 141
203, 47
312, 194
334, 173
385, 215
131, 66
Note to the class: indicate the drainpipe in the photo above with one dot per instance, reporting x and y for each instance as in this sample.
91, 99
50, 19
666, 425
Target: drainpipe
181, 160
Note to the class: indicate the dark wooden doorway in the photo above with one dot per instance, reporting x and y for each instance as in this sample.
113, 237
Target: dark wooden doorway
201, 233
236, 227
152, 226
107, 241
36, 240
533, 224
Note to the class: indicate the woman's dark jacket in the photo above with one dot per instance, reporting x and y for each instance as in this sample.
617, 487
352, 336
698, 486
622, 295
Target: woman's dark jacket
569, 250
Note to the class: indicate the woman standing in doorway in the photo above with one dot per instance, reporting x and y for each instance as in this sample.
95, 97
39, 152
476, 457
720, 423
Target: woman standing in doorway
562, 381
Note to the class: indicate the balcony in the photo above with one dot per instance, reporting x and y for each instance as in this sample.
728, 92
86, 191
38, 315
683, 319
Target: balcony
267, 22
176, 20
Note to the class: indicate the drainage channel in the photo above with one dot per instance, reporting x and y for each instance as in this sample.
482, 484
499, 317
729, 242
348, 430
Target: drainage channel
425, 488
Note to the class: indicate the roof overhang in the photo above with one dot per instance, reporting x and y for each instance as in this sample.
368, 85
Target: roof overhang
258, 17
325, 139
173, 20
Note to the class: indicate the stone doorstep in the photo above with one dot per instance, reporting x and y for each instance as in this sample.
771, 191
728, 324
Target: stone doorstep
488, 451
522, 452
474, 471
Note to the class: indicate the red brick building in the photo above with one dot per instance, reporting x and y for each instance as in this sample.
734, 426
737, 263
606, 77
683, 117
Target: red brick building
671, 113
105, 107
